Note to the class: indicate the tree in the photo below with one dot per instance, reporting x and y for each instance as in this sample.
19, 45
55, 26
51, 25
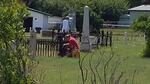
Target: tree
142, 24
112, 9
99, 9
14, 60
134, 3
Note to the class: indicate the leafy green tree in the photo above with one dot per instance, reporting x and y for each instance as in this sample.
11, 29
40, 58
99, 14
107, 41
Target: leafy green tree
99, 9
112, 9
142, 24
14, 60
134, 3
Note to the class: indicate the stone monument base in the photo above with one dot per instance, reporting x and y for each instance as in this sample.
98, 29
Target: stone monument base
86, 46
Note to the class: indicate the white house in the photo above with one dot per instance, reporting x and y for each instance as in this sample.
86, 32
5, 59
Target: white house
138, 11
37, 19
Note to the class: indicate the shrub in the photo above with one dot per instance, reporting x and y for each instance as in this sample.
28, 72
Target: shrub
142, 24
14, 60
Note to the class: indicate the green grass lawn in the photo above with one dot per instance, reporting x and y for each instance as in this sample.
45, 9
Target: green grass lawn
57, 70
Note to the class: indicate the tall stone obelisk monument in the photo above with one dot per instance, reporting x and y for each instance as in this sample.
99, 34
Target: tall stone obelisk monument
85, 42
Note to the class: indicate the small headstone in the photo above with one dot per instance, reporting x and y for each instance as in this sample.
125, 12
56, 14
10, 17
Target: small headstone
125, 38
93, 41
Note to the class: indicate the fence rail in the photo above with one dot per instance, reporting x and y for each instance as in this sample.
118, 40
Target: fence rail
51, 47
105, 38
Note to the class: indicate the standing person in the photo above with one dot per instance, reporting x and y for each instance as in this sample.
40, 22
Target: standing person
65, 24
73, 46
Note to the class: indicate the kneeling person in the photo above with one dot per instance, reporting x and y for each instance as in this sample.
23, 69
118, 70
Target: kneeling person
73, 46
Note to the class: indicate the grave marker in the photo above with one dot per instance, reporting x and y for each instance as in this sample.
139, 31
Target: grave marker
85, 42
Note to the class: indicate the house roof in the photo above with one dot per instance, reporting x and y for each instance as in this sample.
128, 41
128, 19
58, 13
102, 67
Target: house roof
31, 9
140, 8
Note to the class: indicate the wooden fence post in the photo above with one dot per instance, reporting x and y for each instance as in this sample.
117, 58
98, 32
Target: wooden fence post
98, 39
106, 42
60, 41
53, 32
80, 35
102, 40
32, 49
110, 38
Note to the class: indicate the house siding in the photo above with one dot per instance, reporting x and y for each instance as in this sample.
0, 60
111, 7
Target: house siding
37, 19
136, 14
45, 22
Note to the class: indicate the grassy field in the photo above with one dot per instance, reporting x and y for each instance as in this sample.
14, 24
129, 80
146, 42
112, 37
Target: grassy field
57, 70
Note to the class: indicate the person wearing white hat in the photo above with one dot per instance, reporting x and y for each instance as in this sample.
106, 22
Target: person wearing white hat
65, 24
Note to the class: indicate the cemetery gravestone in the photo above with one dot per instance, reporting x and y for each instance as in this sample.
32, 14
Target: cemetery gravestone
85, 41
125, 38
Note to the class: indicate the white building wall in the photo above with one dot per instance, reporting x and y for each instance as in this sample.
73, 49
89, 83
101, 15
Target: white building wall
136, 14
45, 22
37, 19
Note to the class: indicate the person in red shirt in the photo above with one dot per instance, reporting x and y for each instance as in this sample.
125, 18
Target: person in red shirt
74, 47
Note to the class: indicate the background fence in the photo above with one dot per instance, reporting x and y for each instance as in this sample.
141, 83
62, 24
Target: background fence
46, 47
50, 47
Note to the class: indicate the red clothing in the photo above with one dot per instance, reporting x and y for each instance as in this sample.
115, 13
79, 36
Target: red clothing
73, 43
